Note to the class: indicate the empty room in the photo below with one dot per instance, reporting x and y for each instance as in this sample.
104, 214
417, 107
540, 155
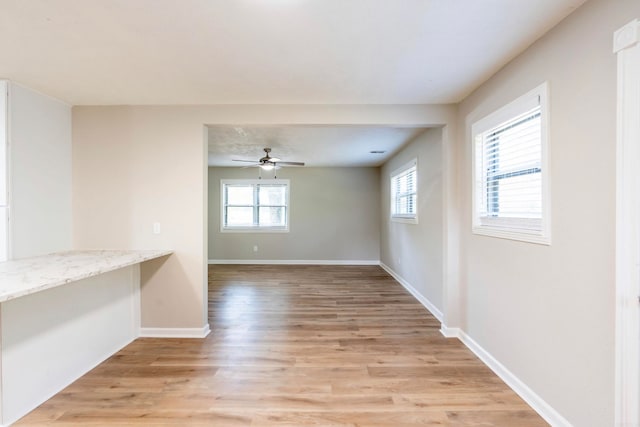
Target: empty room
327, 213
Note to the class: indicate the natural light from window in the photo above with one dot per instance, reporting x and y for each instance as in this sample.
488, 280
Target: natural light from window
255, 205
404, 193
510, 183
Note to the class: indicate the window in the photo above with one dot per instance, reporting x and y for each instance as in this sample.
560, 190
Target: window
510, 171
404, 193
255, 205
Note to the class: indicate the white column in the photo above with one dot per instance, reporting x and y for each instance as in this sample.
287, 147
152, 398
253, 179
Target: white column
627, 382
451, 322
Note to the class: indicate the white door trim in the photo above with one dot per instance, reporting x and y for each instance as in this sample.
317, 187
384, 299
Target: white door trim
626, 44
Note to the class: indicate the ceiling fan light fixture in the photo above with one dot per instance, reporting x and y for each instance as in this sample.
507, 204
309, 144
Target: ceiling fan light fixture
269, 163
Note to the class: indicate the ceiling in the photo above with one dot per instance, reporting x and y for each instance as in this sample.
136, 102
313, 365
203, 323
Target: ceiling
141, 52
314, 145
187, 52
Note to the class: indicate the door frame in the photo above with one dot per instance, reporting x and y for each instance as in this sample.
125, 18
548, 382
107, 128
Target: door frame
626, 45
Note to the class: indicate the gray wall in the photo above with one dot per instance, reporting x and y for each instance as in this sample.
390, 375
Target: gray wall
414, 251
334, 215
547, 312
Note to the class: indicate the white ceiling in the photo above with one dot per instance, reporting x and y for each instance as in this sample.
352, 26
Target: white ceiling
99, 52
177, 52
313, 145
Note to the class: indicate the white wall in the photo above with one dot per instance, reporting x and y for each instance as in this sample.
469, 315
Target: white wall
40, 173
51, 338
4, 172
415, 251
547, 312
334, 215
133, 166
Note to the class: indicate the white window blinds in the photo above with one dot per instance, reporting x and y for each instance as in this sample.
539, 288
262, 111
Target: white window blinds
404, 192
510, 197
511, 184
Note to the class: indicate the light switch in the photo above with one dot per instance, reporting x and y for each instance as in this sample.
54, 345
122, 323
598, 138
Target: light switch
156, 228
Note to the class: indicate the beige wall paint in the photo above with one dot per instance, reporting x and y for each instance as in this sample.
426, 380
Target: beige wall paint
133, 166
334, 215
415, 251
547, 312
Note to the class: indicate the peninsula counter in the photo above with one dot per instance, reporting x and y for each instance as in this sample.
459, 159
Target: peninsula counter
60, 316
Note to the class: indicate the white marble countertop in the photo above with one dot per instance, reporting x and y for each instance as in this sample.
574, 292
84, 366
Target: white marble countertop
26, 276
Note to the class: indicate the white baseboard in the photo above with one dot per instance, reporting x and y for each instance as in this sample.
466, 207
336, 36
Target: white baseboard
175, 332
417, 295
538, 404
295, 261
450, 332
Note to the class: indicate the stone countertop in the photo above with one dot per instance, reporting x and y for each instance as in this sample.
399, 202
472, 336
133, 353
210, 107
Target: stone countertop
26, 276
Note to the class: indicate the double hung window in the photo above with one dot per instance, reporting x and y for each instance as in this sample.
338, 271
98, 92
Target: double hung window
255, 205
510, 170
404, 193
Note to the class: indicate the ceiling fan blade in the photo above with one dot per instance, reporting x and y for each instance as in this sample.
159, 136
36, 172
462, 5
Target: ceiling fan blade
246, 161
291, 163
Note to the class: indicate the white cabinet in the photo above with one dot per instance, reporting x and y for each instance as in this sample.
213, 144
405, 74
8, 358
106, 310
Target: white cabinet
35, 173
4, 174
4, 233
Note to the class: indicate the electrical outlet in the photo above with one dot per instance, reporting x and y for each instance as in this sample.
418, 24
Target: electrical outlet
255, 248
156, 228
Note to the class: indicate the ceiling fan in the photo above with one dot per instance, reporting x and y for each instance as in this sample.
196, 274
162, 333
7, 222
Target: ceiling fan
268, 163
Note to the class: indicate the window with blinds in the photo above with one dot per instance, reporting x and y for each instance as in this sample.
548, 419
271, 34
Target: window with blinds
511, 197
255, 205
404, 193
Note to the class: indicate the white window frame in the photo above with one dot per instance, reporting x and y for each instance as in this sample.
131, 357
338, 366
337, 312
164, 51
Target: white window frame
254, 229
405, 218
627, 331
513, 228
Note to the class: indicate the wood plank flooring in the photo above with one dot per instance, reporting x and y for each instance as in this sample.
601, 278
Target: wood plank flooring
295, 346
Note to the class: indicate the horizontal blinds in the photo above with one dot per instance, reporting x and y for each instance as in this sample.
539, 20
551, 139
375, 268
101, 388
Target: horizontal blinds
404, 189
511, 162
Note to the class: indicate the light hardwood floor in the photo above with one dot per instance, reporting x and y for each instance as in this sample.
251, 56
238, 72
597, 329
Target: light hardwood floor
296, 346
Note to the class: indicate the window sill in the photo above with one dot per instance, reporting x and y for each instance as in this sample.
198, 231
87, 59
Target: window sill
512, 234
404, 220
254, 230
